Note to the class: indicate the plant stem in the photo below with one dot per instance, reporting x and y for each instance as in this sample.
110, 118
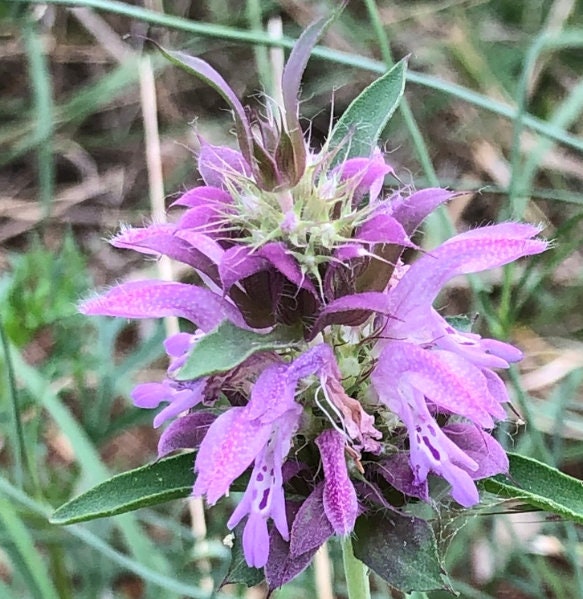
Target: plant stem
355, 572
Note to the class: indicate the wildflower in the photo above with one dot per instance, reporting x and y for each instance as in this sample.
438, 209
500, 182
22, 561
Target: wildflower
285, 239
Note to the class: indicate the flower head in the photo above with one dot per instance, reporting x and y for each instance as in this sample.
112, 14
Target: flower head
303, 246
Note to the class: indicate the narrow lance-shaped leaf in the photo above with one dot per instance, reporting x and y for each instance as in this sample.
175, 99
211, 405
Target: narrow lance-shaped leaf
161, 481
532, 481
359, 128
167, 479
228, 346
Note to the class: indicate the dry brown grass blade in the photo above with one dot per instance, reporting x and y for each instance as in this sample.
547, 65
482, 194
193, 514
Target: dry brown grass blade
24, 214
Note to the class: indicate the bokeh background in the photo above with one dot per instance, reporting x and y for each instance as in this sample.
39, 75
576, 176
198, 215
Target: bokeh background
96, 130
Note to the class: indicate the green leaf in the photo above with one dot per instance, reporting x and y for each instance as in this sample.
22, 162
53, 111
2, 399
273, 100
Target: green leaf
228, 346
239, 571
400, 549
167, 479
359, 128
541, 486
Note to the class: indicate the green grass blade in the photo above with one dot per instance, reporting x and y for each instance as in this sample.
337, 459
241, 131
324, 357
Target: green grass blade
19, 452
94, 471
35, 569
41, 87
405, 108
140, 569
343, 58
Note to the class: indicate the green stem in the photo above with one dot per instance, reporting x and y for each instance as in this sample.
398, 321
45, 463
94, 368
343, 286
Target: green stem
254, 17
344, 58
355, 572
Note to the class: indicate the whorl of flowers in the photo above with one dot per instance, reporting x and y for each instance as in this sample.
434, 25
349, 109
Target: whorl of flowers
366, 389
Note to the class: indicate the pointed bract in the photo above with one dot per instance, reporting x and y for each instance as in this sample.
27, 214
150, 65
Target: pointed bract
340, 502
156, 299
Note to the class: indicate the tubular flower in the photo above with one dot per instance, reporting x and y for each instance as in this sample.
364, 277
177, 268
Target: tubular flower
305, 247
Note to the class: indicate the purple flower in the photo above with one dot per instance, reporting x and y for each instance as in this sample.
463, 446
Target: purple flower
372, 378
425, 364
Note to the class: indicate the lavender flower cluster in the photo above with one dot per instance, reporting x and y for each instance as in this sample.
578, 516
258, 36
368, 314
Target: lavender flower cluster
375, 389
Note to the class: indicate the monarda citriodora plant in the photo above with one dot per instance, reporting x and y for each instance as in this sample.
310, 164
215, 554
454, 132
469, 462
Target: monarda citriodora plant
314, 366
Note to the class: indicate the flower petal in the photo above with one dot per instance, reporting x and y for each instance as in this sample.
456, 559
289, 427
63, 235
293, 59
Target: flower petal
277, 254
481, 447
382, 228
229, 447
150, 395
272, 395
432, 451
366, 175
204, 196
164, 239
239, 262
447, 380
475, 251
339, 311
178, 344
203, 244
156, 299
182, 400
256, 542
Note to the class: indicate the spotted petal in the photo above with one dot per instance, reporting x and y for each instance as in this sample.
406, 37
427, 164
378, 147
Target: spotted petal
228, 449
447, 380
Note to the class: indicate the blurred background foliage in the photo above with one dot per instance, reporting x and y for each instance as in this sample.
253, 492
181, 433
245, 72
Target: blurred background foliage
494, 107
